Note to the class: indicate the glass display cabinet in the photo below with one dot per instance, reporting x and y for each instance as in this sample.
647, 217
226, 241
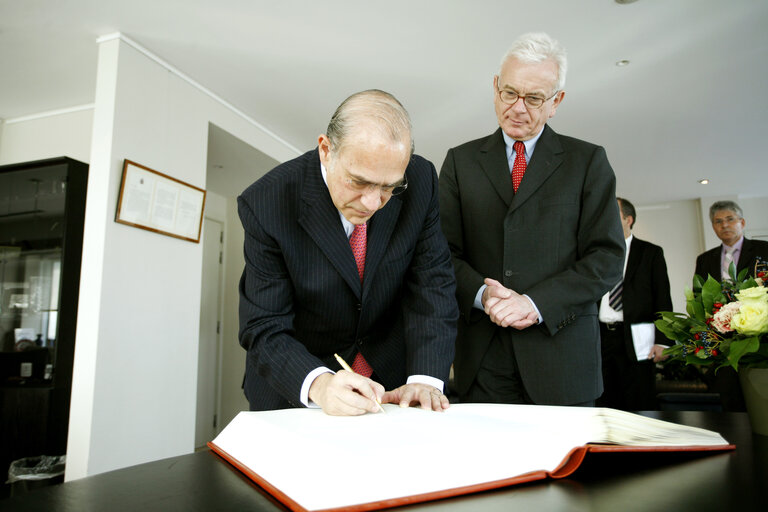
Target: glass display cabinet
42, 206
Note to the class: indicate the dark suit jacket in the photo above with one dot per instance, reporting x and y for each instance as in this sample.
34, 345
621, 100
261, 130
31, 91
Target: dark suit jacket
301, 299
708, 263
646, 290
558, 239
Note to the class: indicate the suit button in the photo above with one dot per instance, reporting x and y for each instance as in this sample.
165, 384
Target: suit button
359, 307
508, 273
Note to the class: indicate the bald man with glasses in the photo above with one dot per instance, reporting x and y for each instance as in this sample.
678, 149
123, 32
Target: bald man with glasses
344, 255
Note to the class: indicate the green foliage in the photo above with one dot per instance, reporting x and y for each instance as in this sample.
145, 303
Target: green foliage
697, 342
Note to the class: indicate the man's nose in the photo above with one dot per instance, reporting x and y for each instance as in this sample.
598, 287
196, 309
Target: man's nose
519, 106
371, 199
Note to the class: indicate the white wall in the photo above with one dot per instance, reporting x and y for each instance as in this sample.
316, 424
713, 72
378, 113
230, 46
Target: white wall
47, 135
133, 396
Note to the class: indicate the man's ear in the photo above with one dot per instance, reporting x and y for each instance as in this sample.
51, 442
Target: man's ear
324, 149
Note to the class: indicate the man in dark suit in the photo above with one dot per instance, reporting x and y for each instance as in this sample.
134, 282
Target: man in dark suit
626, 317
341, 258
728, 223
536, 241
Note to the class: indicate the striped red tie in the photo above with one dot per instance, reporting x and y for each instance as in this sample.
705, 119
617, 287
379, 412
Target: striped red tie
358, 241
518, 168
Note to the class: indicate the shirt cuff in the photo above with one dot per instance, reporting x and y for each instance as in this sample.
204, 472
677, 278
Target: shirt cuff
538, 313
308, 380
479, 297
426, 379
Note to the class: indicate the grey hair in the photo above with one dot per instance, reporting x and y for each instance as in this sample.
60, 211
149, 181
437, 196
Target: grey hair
538, 47
387, 113
724, 205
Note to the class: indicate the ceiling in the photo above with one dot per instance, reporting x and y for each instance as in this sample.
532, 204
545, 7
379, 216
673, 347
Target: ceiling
688, 106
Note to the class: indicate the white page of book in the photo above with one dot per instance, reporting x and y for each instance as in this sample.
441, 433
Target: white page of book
323, 461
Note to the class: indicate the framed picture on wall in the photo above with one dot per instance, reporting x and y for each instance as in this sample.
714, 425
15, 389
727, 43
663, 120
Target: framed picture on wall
156, 202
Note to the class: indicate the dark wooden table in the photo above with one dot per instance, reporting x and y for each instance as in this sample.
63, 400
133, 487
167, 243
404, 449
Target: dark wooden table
730, 481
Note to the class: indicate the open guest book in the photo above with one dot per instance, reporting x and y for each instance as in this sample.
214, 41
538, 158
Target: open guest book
311, 461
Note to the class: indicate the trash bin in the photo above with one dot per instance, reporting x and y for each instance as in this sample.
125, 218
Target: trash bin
33, 472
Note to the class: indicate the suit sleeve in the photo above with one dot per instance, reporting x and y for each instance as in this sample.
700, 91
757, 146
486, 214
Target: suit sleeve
468, 280
429, 308
266, 312
662, 298
599, 252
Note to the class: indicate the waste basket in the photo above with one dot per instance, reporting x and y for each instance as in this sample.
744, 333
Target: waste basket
33, 472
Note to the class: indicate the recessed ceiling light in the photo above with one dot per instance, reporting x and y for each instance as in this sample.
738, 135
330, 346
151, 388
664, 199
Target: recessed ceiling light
622, 63
704, 181
625, 1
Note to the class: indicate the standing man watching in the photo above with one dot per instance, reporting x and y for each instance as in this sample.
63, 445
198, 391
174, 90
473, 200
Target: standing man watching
626, 318
728, 223
344, 254
533, 227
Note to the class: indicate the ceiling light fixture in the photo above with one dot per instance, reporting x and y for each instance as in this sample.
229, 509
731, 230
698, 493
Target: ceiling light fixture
704, 181
622, 63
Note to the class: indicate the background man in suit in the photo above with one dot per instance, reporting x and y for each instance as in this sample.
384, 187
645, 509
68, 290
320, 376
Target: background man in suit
341, 258
531, 262
630, 384
728, 223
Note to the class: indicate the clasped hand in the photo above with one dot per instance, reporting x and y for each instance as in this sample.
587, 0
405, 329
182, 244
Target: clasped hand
349, 394
506, 307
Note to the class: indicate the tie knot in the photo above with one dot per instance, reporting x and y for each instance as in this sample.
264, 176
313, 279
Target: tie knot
519, 147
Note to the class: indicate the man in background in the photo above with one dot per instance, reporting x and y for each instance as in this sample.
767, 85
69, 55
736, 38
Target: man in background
532, 223
630, 342
344, 254
728, 223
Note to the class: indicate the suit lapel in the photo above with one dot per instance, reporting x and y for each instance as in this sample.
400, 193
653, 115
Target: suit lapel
747, 255
494, 163
380, 229
633, 262
320, 219
546, 159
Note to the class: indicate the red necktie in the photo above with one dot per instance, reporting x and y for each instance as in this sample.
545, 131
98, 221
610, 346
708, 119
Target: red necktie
518, 168
358, 241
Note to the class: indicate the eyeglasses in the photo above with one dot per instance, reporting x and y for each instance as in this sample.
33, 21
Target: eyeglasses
727, 220
511, 97
385, 190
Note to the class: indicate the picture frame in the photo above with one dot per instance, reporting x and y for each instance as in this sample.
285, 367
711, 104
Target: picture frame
160, 203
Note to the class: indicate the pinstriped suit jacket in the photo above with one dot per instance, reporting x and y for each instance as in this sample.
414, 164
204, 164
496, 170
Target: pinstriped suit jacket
301, 298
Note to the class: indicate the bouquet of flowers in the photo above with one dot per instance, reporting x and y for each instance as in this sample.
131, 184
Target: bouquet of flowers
726, 322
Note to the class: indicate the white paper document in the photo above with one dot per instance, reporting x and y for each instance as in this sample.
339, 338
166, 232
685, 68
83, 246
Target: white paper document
643, 337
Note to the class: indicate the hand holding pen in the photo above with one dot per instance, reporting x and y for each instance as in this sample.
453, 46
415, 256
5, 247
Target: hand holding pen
346, 393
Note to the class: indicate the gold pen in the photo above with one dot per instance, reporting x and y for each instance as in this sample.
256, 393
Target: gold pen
344, 365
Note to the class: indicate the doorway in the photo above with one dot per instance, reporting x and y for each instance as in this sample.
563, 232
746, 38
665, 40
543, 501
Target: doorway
209, 351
